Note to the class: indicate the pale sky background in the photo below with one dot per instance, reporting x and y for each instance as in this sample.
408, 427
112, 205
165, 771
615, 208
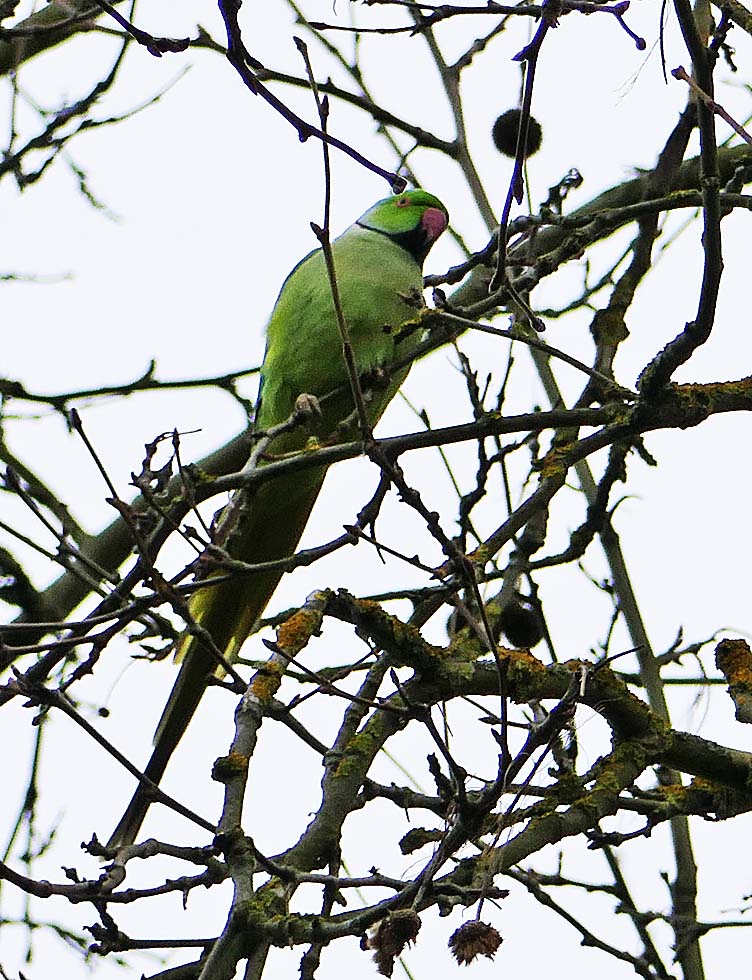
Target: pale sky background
214, 195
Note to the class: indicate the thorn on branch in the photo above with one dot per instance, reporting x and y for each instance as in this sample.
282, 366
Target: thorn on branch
680, 74
154, 45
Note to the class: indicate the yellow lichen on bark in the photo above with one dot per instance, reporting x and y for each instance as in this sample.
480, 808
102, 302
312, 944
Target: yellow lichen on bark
734, 659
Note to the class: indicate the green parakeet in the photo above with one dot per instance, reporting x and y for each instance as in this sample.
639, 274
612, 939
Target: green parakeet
378, 263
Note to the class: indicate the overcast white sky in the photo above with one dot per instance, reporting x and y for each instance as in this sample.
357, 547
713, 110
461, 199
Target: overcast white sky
214, 195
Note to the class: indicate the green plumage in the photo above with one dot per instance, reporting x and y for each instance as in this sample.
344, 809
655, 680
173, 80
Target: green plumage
378, 263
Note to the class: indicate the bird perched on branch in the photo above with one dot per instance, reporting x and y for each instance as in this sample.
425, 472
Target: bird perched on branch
378, 268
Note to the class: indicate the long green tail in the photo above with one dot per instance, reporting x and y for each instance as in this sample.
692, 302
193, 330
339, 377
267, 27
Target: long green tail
270, 527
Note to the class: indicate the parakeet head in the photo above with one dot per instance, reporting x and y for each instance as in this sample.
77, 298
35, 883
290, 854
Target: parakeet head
413, 219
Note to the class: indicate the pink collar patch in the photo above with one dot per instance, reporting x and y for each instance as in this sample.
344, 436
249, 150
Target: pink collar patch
434, 222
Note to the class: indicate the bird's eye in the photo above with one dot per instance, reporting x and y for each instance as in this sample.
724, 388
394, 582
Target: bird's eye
402, 202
